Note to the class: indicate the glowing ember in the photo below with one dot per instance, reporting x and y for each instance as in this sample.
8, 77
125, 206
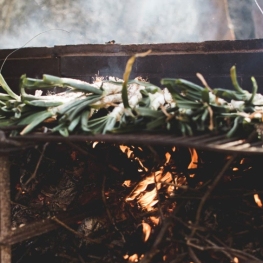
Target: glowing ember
127, 183
146, 229
94, 144
257, 200
242, 160
235, 260
134, 258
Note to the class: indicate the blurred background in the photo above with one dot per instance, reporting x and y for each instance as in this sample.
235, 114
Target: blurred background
127, 21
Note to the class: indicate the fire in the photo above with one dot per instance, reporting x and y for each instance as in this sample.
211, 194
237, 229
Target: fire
155, 220
134, 258
194, 160
127, 150
235, 260
146, 229
148, 199
257, 200
127, 183
145, 193
94, 144
168, 157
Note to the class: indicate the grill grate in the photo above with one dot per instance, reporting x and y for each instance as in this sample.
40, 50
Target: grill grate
219, 143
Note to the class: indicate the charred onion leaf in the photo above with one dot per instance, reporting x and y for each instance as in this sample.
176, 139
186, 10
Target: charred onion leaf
126, 76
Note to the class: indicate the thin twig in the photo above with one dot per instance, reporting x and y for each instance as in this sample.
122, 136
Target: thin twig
210, 190
38, 164
54, 218
217, 248
154, 250
225, 252
108, 211
193, 255
33, 176
81, 259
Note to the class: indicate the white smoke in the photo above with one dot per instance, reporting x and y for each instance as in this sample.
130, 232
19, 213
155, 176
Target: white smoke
99, 21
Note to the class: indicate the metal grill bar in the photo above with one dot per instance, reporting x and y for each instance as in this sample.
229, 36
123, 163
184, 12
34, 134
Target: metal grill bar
219, 143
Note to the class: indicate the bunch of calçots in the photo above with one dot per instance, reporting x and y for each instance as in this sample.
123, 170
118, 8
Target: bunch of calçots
117, 106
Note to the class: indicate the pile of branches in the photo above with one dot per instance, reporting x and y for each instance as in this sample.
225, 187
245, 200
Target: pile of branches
121, 106
203, 214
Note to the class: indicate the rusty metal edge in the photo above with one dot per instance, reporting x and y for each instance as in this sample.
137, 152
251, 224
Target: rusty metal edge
253, 45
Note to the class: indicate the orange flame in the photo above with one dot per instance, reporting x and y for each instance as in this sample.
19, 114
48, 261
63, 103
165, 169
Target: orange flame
127, 150
257, 200
235, 260
134, 258
194, 160
146, 191
155, 220
168, 157
146, 229
147, 199
94, 144
127, 183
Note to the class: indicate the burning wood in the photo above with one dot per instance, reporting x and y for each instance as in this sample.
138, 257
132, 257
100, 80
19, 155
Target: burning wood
144, 211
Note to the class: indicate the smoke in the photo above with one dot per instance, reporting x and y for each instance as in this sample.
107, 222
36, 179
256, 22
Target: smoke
99, 21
